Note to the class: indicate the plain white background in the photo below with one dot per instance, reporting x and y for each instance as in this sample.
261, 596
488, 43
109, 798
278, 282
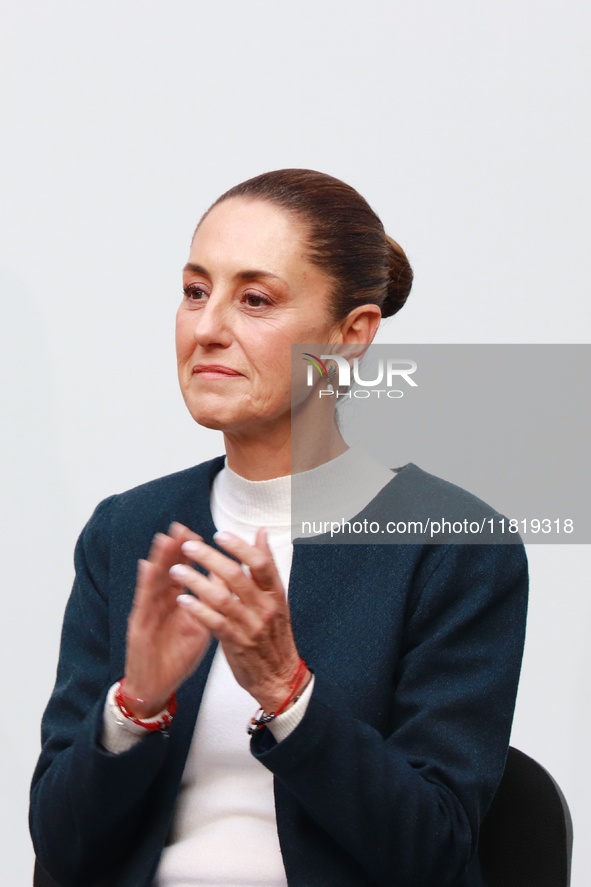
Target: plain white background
466, 127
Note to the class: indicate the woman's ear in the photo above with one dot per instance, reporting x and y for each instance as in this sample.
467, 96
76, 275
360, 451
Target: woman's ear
361, 325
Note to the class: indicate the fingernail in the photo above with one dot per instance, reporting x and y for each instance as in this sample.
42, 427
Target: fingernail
191, 547
222, 536
179, 570
186, 600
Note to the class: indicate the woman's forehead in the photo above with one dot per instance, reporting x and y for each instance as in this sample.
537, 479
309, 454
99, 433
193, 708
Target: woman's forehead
257, 216
244, 232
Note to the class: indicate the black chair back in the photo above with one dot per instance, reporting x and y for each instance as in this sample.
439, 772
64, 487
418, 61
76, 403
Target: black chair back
526, 837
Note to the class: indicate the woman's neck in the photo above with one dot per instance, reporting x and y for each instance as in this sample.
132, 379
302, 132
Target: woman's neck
263, 456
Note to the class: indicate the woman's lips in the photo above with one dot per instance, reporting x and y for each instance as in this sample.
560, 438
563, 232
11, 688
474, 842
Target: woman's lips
214, 371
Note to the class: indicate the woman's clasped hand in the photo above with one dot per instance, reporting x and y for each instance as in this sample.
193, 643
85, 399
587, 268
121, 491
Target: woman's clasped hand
240, 600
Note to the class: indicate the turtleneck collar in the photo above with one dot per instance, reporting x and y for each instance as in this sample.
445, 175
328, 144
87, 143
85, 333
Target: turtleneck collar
344, 485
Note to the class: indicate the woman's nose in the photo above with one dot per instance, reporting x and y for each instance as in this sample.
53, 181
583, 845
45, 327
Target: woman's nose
212, 323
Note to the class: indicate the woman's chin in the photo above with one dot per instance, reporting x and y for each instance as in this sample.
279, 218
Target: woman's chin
220, 417
213, 412
214, 421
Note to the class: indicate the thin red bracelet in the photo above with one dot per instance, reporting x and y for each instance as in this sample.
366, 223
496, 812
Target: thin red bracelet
260, 720
126, 696
159, 723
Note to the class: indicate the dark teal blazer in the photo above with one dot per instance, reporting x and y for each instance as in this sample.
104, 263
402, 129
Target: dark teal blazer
416, 650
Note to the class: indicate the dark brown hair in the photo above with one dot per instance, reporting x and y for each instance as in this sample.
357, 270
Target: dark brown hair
345, 238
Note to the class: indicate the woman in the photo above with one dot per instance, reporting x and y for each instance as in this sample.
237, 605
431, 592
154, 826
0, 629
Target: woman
377, 768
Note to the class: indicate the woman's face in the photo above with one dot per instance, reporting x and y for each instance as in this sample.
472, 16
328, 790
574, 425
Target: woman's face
249, 294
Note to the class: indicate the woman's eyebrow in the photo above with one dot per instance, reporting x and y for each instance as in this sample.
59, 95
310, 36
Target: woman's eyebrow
196, 269
254, 274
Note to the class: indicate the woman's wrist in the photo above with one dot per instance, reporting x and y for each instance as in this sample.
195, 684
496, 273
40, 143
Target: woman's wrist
142, 705
278, 695
150, 715
285, 723
275, 705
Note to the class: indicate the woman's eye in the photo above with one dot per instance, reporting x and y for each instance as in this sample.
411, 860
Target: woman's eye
194, 293
255, 300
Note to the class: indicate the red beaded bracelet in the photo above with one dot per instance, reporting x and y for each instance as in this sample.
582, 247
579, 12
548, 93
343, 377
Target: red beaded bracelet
260, 720
159, 722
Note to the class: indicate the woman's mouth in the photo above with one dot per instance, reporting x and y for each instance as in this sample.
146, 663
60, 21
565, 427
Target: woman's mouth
214, 371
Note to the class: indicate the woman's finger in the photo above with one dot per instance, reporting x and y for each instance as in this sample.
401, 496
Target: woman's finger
216, 594
257, 557
226, 568
206, 616
179, 531
213, 593
156, 590
259, 561
166, 550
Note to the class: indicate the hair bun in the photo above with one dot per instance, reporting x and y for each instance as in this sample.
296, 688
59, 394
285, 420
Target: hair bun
400, 279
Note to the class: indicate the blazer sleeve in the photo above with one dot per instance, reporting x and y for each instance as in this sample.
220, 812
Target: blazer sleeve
86, 804
406, 803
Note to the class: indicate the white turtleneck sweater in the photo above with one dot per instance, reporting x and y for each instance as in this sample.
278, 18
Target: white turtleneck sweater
224, 831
